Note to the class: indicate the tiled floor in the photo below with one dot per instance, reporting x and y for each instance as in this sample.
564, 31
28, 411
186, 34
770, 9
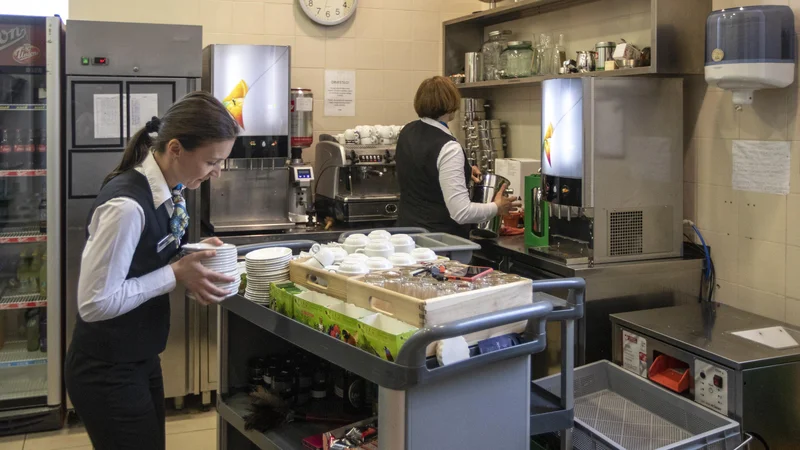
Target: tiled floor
185, 430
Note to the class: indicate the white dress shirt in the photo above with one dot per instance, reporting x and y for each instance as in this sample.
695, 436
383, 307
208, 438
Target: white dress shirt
114, 232
454, 188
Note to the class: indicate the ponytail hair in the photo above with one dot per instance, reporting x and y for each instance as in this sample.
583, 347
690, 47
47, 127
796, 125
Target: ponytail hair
195, 120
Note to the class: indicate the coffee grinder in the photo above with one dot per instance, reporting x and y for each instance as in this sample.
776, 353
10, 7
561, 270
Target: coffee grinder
301, 175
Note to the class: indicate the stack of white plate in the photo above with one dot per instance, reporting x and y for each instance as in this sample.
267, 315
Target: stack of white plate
224, 262
266, 266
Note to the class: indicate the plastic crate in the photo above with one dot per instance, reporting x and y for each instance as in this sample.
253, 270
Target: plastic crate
453, 247
615, 409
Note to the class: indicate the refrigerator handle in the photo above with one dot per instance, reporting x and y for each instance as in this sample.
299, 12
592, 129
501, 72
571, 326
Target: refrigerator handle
54, 82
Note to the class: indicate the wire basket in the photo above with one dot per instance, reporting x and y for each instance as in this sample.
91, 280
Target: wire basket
618, 410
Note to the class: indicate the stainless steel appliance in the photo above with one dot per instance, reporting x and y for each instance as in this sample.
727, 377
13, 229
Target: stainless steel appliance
356, 183
612, 167
115, 83
300, 198
31, 223
484, 192
751, 382
251, 195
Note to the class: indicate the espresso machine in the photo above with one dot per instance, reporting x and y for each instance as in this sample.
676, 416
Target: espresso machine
356, 183
251, 195
612, 168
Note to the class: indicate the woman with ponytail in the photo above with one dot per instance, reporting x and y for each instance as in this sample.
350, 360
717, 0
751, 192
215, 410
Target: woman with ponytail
134, 232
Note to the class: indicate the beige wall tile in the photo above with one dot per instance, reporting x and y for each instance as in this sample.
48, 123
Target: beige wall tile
313, 79
794, 168
766, 118
339, 53
398, 25
399, 113
639, 6
762, 216
248, 17
308, 52
793, 219
793, 311
279, 19
281, 40
370, 4
690, 201
231, 38
216, 16
370, 112
304, 26
369, 23
369, 85
397, 55
762, 265
426, 56
727, 293
714, 161
369, 54
793, 271
716, 117
398, 86
762, 303
717, 209
690, 161
724, 252
399, 5
426, 26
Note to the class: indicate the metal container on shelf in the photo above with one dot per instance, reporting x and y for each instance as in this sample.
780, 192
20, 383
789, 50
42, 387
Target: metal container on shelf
491, 50
484, 192
473, 67
605, 52
473, 105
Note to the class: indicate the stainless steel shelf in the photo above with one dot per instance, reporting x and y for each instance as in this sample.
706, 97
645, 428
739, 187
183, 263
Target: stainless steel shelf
515, 11
16, 354
23, 382
22, 301
530, 81
288, 437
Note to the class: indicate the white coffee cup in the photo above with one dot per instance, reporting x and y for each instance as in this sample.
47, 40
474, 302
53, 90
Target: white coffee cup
353, 268
368, 140
360, 257
324, 255
363, 131
340, 138
397, 129
387, 141
402, 259
338, 252
382, 248
379, 234
403, 243
378, 263
355, 242
423, 255
351, 136
386, 132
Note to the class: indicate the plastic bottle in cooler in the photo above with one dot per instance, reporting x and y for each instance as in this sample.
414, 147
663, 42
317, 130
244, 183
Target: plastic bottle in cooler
33, 271
18, 152
32, 329
43, 330
5, 151
30, 151
43, 277
43, 215
41, 150
22, 271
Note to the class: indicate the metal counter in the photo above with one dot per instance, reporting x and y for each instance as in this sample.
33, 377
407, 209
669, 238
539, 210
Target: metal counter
610, 288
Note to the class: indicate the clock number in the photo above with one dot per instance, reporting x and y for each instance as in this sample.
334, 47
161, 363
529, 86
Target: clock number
310, 3
337, 12
319, 10
327, 13
345, 5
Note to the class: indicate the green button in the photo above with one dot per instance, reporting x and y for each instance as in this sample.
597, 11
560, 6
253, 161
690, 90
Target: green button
85, 61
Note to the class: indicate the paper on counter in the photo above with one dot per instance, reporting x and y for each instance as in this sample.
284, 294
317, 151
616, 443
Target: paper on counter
761, 166
774, 337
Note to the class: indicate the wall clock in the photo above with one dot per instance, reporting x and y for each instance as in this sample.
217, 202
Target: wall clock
329, 12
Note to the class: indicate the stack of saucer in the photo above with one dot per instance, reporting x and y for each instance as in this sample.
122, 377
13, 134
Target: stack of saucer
266, 266
224, 262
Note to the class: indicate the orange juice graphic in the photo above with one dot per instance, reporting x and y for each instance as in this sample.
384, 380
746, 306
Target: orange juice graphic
234, 102
546, 144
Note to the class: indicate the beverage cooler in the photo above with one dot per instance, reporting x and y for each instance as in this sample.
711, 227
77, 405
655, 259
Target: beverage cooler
31, 57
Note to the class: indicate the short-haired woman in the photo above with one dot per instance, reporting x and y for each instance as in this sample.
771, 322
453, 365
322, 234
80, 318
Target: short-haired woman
432, 167
113, 372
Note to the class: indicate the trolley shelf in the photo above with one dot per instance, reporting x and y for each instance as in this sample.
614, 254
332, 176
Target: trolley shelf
22, 107
22, 235
23, 173
16, 354
22, 301
288, 437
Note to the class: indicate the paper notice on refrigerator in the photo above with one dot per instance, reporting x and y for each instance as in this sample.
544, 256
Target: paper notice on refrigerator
761, 166
106, 116
340, 93
634, 353
143, 108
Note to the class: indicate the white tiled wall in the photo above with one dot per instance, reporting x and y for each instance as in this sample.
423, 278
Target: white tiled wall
755, 237
391, 44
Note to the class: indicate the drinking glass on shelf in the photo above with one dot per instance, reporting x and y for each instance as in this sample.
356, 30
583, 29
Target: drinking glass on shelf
559, 55
545, 50
375, 279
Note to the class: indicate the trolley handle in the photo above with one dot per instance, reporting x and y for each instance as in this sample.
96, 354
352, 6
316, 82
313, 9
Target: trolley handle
576, 297
745, 443
298, 245
412, 354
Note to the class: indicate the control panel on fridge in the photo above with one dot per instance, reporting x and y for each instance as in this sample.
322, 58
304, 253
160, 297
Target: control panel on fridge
711, 386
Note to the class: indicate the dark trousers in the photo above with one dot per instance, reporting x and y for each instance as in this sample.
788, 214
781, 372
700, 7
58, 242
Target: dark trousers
121, 404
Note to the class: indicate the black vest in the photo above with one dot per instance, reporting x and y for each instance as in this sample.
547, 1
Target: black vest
421, 200
142, 332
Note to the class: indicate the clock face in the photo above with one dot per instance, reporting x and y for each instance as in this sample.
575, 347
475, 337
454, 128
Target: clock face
329, 12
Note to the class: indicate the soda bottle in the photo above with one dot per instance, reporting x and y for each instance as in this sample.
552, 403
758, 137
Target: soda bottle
41, 150
22, 272
30, 151
34, 269
18, 152
43, 277
32, 329
43, 215
5, 151
43, 330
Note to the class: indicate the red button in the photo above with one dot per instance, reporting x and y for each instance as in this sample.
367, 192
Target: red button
718, 381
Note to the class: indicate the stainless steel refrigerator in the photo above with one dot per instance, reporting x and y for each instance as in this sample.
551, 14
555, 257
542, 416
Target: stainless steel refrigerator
119, 75
31, 77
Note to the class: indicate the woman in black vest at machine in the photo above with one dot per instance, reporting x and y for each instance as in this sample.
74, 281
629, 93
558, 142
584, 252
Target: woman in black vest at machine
128, 268
432, 168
